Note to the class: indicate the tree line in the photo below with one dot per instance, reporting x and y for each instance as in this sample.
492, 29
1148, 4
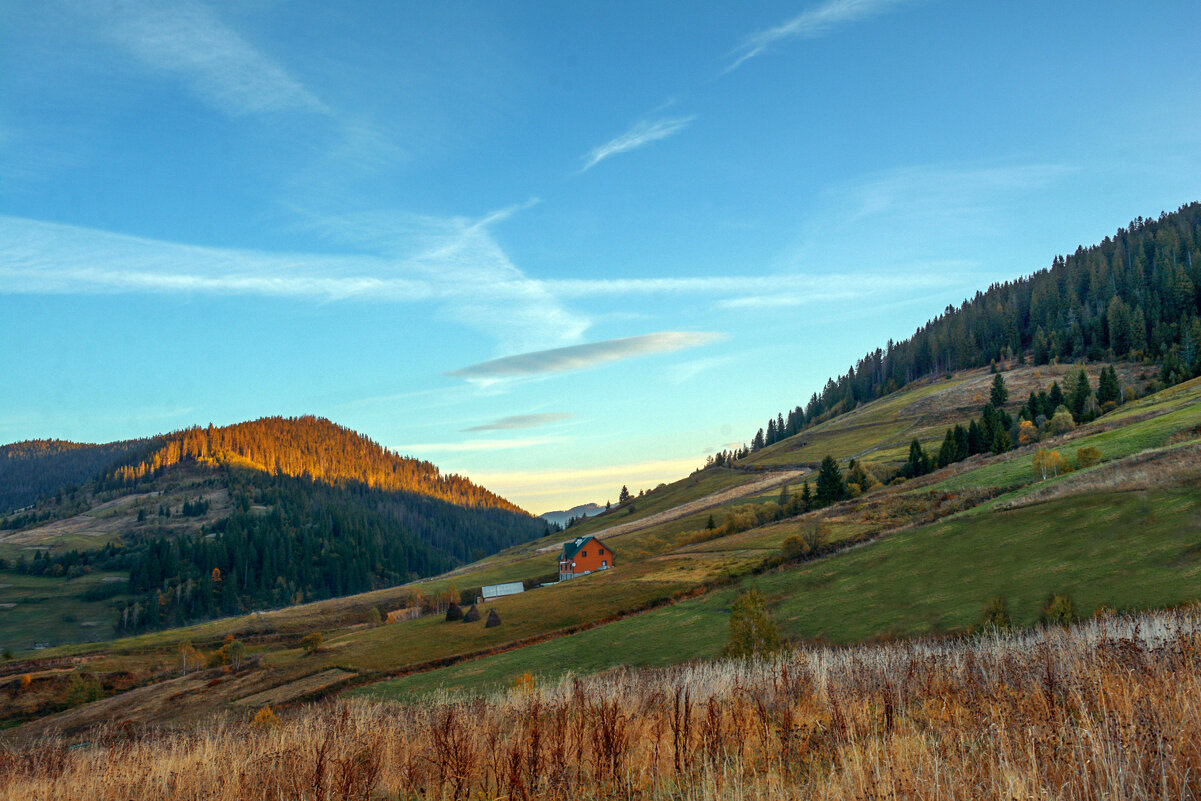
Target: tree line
287, 541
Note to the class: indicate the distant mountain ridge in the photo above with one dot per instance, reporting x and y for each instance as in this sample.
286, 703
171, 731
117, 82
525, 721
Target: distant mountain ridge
561, 517
309, 447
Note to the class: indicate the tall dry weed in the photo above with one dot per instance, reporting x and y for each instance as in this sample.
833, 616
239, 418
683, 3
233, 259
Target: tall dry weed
1108, 709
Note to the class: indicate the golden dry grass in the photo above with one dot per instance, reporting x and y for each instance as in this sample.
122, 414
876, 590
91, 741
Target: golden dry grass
1108, 710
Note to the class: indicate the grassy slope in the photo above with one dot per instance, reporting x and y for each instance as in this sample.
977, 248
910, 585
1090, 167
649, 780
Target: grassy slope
53, 610
658, 561
882, 430
1135, 550
1127, 550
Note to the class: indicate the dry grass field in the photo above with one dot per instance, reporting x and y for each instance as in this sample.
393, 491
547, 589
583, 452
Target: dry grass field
1111, 709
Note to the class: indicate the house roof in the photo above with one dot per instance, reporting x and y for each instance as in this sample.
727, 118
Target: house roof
570, 549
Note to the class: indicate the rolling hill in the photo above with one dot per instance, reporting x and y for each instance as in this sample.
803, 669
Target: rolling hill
830, 522
217, 521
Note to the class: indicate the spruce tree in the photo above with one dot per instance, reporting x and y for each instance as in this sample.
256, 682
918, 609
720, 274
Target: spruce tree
806, 499
918, 463
1055, 399
1108, 390
830, 486
999, 393
961, 444
1079, 395
975, 439
946, 452
989, 423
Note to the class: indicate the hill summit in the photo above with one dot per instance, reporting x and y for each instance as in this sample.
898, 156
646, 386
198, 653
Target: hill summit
306, 447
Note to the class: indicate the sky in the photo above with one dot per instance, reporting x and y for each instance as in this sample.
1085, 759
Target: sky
555, 247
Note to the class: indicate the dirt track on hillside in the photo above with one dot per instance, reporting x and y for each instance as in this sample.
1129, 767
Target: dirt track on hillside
772, 479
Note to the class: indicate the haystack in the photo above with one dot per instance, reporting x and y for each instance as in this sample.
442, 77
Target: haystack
493, 620
453, 612
473, 614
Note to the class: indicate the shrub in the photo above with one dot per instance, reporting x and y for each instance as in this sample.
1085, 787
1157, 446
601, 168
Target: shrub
374, 618
996, 616
265, 719
311, 643
84, 688
1057, 611
524, 683
814, 536
793, 546
1062, 422
1087, 457
752, 631
7, 655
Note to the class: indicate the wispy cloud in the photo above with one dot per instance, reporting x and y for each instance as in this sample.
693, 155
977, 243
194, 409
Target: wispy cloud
945, 191
519, 421
643, 133
454, 263
686, 371
580, 357
472, 446
220, 66
809, 24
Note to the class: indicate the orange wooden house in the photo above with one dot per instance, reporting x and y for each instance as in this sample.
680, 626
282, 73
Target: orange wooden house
584, 555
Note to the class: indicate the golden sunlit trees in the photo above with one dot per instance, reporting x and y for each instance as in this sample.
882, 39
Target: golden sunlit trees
1047, 462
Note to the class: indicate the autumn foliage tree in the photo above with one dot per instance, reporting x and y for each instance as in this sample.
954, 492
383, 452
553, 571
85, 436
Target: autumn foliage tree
1047, 462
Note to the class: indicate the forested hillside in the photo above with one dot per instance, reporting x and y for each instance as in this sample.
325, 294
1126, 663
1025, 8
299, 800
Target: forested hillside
35, 468
285, 540
219, 521
312, 447
1136, 295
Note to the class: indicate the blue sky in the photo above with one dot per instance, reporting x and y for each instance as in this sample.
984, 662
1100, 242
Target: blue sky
554, 248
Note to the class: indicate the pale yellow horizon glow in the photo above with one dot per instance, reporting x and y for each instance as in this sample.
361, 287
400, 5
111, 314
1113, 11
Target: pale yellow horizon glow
540, 491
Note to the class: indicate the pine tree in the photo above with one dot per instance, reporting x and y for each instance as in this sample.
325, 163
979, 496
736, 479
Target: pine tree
1108, 390
1055, 399
961, 443
918, 463
1080, 392
990, 421
999, 393
806, 499
946, 452
830, 486
624, 495
975, 439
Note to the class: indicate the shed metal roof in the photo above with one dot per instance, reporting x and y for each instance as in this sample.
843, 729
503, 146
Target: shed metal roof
497, 590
